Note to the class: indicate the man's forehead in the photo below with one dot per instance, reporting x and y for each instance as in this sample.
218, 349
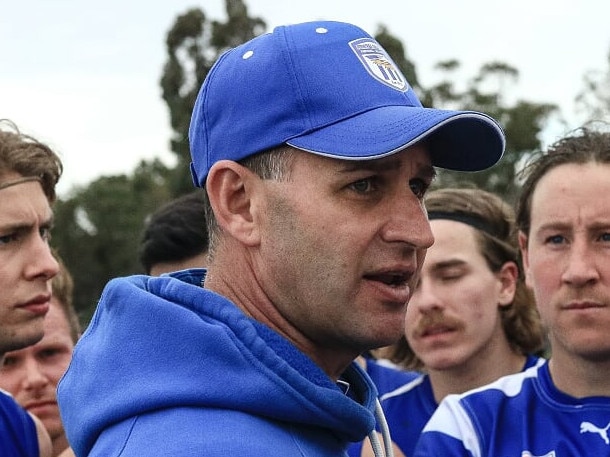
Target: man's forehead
417, 159
20, 202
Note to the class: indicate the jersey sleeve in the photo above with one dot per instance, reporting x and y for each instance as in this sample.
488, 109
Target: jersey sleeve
17, 429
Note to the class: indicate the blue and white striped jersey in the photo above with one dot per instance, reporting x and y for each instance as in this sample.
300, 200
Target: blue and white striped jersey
521, 415
408, 408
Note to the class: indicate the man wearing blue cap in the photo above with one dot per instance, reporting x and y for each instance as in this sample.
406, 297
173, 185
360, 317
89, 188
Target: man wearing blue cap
315, 155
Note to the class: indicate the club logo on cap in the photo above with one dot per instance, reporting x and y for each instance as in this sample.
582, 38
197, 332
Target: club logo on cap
378, 63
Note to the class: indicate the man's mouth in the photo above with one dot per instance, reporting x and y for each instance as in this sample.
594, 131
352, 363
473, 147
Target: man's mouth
394, 279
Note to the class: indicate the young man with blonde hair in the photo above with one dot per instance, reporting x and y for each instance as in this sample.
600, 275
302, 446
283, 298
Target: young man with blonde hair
29, 171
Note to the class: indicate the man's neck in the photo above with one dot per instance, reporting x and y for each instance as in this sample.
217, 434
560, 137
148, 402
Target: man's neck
580, 377
475, 373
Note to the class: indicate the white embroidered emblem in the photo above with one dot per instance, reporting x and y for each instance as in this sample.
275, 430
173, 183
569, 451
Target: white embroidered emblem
378, 63
592, 428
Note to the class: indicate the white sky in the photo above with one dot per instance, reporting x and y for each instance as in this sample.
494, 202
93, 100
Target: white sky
83, 75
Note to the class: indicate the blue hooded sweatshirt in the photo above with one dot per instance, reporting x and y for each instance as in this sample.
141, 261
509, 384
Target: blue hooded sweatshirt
168, 368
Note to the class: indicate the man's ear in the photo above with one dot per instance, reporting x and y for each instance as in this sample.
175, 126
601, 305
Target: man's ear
508, 275
231, 187
523, 239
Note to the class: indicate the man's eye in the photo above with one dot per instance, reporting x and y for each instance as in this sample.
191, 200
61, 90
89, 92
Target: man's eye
6, 239
418, 187
451, 277
8, 361
45, 233
555, 239
362, 186
48, 353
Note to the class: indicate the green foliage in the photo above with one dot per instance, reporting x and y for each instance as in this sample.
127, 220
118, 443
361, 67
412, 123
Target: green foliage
193, 45
97, 230
522, 122
594, 99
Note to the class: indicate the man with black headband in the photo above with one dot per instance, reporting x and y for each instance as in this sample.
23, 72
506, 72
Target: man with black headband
29, 171
471, 319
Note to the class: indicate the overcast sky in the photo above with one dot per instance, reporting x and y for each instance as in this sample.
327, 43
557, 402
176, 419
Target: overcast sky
83, 75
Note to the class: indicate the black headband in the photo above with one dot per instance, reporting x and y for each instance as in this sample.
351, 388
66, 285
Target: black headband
473, 220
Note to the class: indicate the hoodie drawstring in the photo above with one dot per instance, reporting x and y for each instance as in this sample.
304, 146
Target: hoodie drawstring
385, 434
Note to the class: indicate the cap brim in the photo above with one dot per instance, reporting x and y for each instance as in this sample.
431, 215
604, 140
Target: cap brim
458, 140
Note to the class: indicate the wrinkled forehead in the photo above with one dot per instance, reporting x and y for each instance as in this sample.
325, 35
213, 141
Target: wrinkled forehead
23, 204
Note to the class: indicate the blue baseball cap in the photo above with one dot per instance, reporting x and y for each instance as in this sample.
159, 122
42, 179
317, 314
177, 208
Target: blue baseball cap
330, 89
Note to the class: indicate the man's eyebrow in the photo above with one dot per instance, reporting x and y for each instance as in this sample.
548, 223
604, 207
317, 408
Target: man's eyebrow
26, 225
15, 226
425, 170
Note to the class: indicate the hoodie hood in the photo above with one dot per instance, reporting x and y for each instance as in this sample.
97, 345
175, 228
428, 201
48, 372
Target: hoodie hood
164, 342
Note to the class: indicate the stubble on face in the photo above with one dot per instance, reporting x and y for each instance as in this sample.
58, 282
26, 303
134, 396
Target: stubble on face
328, 266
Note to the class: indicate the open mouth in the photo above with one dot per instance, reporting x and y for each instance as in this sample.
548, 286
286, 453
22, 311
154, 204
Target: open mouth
394, 279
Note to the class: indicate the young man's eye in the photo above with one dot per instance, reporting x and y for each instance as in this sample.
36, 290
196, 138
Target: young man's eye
6, 239
45, 233
555, 239
8, 361
451, 277
48, 353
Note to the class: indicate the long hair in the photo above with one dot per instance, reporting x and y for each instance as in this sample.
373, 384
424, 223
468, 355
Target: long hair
496, 237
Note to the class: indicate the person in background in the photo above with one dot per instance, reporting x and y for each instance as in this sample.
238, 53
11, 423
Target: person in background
561, 407
175, 236
385, 375
29, 171
31, 374
471, 318
315, 155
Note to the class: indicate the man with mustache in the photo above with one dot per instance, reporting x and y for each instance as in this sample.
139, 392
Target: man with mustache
561, 407
29, 171
471, 319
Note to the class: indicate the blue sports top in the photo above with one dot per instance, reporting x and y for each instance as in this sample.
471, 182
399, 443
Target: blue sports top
169, 368
18, 436
388, 378
408, 408
522, 415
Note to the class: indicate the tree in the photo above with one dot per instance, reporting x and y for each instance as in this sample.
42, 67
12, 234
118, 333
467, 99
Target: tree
193, 45
594, 99
522, 122
97, 230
